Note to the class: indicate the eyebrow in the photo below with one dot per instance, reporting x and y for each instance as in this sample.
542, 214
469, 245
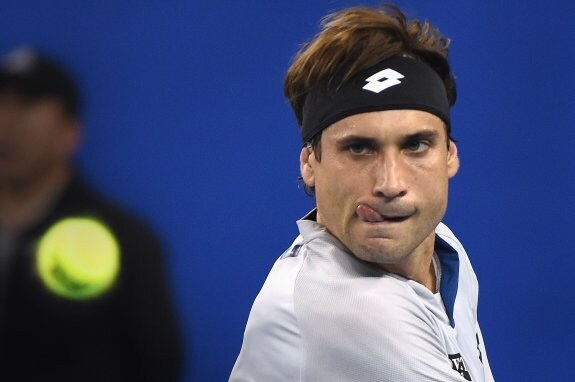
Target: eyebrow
367, 140
345, 141
422, 135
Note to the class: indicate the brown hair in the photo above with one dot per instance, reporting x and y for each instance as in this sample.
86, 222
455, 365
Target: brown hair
355, 39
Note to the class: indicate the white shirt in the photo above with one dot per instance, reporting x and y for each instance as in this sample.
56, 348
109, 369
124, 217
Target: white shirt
324, 315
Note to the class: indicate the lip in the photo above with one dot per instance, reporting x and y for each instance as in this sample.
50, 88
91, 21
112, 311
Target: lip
386, 214
394, 219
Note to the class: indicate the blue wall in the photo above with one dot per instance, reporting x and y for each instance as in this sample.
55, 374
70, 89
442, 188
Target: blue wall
187, 125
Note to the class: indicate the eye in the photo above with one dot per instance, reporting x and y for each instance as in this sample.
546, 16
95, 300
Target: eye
358, 146
417, 146
360, 149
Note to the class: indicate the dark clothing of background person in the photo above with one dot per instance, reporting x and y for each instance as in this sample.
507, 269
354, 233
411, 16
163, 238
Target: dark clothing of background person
129, 333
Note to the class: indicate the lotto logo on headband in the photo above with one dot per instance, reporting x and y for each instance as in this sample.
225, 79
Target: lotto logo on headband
389, 76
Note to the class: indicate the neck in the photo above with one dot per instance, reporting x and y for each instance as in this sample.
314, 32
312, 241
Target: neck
23, 202
419, 267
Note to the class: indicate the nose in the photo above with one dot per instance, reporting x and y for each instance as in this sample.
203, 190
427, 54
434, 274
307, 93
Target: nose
390, 177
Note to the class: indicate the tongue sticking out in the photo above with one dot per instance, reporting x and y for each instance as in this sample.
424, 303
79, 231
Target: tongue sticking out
368, 214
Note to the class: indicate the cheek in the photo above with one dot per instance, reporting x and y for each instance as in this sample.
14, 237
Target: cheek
328, 192
339, 182
336, 193
434, 194
431, 183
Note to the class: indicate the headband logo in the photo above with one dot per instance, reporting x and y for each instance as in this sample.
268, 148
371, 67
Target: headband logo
382, 80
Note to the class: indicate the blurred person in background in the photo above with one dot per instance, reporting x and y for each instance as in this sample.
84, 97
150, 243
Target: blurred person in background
83, 293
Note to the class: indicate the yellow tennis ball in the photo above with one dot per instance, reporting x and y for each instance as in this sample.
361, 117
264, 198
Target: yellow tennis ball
78, 258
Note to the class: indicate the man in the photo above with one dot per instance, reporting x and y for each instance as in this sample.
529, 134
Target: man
375, 287
83, 295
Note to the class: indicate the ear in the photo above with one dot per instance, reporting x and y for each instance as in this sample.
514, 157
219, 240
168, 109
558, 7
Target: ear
74, 135
307, 163
452, 160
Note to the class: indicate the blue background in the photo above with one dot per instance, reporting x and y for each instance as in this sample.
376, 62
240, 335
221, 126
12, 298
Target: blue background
186, 124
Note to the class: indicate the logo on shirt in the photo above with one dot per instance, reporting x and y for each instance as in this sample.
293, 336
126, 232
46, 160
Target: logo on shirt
458, 365
479, 347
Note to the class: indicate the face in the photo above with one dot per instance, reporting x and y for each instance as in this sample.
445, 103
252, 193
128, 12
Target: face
381, 184
36, 137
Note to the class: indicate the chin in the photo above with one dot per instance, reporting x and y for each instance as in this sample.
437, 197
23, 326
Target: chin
381, 254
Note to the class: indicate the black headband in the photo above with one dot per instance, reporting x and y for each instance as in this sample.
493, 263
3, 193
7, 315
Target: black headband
395, 83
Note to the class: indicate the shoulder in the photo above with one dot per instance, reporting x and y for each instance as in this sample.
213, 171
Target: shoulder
449, 237
275, 301
357, 293
271, 347
467, 284
359, 322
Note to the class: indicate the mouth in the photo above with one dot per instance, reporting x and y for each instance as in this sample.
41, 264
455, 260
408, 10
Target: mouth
370, 215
